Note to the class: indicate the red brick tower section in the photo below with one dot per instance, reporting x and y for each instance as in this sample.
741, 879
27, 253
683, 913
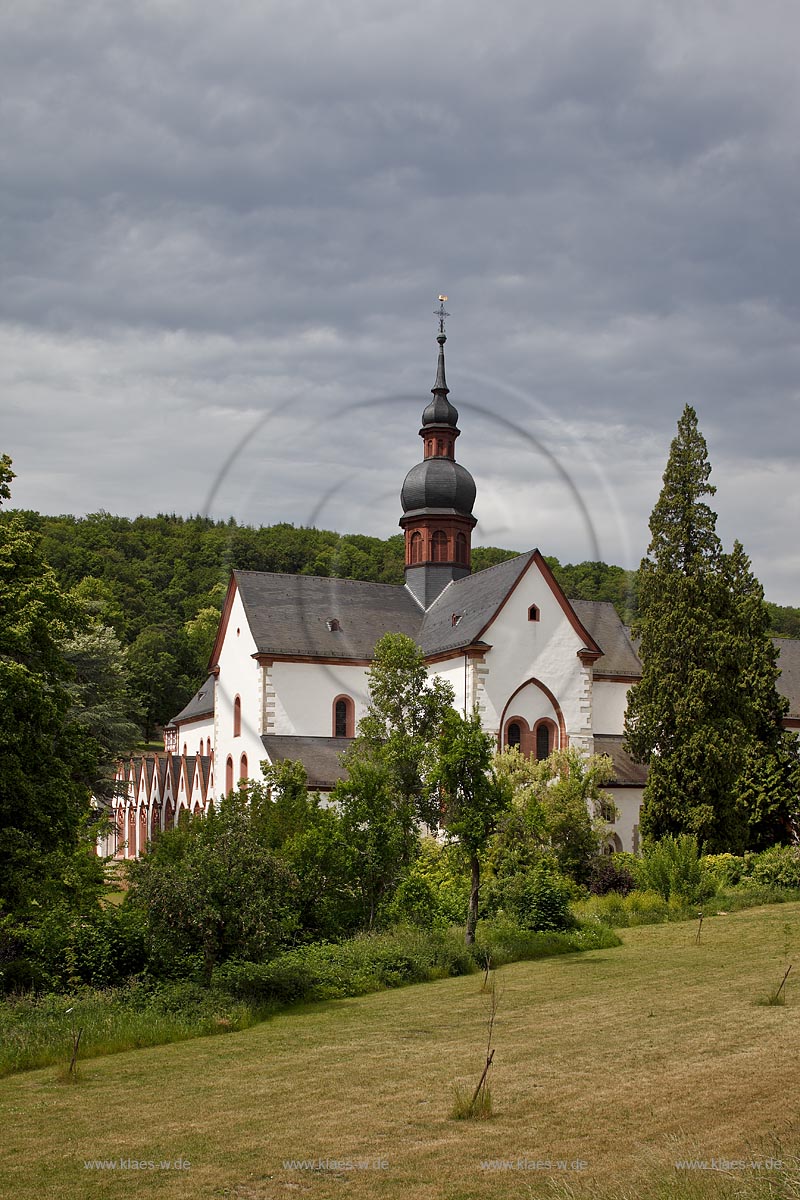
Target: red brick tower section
437, 499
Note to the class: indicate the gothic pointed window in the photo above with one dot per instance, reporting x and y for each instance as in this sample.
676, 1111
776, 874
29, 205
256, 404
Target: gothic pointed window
416, 547
439, 546
237, 717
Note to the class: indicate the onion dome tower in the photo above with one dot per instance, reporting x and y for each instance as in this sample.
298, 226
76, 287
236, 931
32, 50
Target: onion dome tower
437, 497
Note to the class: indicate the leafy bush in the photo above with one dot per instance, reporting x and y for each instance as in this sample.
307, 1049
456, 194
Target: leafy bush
63, 949
672, 867
500, 941
637, 908
362, 964
414, 903
726, 869
607, 874
777, 867
538, 898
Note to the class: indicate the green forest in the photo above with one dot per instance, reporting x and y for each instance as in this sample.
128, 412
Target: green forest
159, 583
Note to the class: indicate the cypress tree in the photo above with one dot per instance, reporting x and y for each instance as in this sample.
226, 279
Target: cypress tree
706, 715
768, 785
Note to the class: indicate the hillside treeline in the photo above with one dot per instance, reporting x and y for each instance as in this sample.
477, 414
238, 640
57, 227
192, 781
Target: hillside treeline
159, 583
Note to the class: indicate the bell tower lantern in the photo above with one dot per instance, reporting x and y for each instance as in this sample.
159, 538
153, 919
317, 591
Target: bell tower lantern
437, 497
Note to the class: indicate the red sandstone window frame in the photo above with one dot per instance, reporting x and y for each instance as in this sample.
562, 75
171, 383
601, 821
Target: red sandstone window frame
544, 723
237, 717
439, 546
349, 722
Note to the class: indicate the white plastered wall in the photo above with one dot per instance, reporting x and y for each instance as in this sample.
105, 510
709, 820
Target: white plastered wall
628, 801
194, 735
298, 697
452, 670
239, 675
609, 701
547, 650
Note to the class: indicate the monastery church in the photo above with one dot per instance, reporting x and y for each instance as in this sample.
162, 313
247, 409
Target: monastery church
288, 672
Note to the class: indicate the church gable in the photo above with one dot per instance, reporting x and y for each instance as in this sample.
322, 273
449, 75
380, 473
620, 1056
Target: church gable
538, 667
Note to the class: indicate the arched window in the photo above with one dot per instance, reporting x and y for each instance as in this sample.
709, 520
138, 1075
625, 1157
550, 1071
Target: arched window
439, 546
168, 815
533, 613
184, 747
439, 447
208, 747
229, 775
237, 717
243, 767
343, 717
461, 548
543, 739
608, 811
416, 548
513, 735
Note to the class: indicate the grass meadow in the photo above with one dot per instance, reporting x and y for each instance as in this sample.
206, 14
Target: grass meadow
610, 1067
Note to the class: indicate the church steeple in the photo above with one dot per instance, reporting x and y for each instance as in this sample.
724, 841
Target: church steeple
437, 497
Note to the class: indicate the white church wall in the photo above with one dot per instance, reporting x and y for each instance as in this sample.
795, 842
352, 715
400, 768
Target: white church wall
452, 670
239, 675
194, 735
546, 649
609, 701
629, 802
303, 696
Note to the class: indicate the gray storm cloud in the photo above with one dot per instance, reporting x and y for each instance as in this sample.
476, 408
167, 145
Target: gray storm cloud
209, 215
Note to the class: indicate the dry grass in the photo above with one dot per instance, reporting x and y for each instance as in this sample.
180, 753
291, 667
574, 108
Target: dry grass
625, 1060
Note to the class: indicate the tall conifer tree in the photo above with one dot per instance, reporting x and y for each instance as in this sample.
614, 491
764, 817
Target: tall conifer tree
706, 716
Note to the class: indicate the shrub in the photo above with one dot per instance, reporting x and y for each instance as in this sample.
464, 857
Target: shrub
538, 898
726, 869
63, 949
777, 867
672, 867
500, 941
607, 874
362, 964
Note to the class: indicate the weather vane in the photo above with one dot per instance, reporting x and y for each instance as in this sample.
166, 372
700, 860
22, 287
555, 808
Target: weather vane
441, 314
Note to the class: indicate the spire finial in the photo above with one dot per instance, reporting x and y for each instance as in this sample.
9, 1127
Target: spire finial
441, 383
441, 314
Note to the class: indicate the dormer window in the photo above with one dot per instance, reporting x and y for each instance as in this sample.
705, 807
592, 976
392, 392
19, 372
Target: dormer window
455, 619
333, 625
533, 613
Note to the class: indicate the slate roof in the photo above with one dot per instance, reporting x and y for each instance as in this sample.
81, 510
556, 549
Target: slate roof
789, 678
603, 623
200, 705
627, 773
289, 614
476, 598
319, 756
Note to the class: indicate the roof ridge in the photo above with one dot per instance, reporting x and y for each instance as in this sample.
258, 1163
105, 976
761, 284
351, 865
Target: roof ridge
397, 587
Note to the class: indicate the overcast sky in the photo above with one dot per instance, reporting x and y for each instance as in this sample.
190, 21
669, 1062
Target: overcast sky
223, 230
